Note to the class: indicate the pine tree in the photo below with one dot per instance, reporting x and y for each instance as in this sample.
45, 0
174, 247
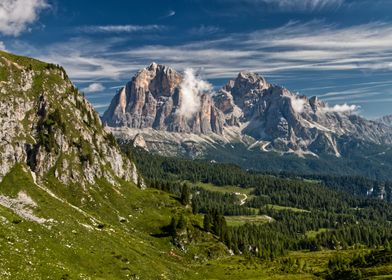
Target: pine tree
207, 222
173, 227
185, 194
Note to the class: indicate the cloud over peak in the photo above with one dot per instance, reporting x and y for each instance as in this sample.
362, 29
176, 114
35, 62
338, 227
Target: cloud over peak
191, 89
16, 15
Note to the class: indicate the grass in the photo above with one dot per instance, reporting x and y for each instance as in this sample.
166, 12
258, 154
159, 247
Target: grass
314, 233
95, 243
241, 220
284, 208
224, 189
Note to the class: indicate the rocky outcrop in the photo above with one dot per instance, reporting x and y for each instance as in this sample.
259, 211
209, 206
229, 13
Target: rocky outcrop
247, 109
47, 126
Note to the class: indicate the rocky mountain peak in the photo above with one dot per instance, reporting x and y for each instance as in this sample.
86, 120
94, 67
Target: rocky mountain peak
157, 79
155, 98
248, 83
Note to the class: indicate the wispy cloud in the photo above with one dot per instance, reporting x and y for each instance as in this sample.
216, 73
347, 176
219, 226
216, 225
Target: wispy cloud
292, 47
301, 5
170, 13
94, 87
204, 30
17, 15
120, 28
2, 46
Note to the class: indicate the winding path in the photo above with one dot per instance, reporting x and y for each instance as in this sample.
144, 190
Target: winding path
242, 201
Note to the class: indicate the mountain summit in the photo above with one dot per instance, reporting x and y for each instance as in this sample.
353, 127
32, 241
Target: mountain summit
247, 110
153, 99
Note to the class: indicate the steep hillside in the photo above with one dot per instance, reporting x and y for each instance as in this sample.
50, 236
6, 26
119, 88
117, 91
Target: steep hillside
47, 126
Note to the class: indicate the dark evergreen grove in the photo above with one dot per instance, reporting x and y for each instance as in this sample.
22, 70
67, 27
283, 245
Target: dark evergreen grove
316, 212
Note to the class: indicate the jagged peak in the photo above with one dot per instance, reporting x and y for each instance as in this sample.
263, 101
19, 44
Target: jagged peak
248, 75
248, 78
160, 68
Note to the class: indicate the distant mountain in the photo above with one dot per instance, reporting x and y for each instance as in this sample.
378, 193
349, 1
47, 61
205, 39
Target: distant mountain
153, 99
178, 114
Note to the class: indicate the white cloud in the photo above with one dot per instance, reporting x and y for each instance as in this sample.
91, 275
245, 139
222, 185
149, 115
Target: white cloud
204, 30
94, 87
16, 15
2, 46
101, 105
344, 108
191, 89
120, 28
298, 103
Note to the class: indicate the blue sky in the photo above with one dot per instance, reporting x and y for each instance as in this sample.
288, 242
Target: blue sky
340, 50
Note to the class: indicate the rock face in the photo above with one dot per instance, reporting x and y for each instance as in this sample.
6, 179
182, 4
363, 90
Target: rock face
153, 99
387, 120
50, 129
247, 109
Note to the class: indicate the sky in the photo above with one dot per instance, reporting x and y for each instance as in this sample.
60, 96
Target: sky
339, 50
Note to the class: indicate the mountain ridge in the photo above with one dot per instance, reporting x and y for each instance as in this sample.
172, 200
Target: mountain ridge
246, 110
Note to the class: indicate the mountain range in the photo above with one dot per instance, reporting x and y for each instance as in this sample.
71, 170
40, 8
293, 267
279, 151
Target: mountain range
176, 114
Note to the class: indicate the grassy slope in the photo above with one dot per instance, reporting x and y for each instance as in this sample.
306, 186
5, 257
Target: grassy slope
74, 245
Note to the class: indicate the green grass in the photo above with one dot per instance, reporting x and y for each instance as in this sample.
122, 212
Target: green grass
241, 220
224, 189
24, 61
314, 233
284, 208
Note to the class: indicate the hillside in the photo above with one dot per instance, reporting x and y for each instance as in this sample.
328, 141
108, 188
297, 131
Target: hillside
71, 204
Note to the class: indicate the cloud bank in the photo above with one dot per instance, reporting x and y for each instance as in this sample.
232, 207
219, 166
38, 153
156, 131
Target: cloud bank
16, 15
191, 89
